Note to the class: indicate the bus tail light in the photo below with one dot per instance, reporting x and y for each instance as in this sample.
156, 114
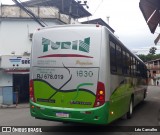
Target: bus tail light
100, 95
31, 91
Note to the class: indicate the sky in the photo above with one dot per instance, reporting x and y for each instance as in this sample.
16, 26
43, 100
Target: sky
126, 18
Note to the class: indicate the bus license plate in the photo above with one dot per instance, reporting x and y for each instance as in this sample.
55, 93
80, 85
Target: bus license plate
66, 115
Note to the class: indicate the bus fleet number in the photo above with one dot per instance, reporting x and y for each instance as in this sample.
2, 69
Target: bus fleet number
81, 73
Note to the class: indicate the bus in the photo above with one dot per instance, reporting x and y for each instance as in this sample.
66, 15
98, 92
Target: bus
84, 74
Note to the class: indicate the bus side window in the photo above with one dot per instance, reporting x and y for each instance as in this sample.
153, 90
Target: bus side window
113, 57
128, 63
124, 69
141, 70
131, 65
144, 73
134, 63
119, 59
138, 69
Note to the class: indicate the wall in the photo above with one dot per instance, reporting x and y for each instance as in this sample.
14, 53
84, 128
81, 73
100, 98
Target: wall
5, 79
6, 88
14, 34
16, 26
13, 11
1, 96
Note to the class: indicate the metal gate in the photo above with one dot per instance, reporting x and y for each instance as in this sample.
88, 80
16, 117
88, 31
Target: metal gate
1, 96
7, 95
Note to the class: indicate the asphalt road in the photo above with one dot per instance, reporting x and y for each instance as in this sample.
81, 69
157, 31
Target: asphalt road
146, 113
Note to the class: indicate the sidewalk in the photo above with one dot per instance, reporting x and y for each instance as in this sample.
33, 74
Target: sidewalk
21, 105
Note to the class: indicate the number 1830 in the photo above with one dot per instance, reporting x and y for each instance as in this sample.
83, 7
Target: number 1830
81, 73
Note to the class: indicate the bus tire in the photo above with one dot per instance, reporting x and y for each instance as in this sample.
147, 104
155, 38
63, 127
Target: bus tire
145, 94
130, 111
65, 122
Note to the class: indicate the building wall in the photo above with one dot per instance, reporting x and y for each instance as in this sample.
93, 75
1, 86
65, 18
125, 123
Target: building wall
5, 79
14, 34
16, 26
1, 96
6, 87
154, 67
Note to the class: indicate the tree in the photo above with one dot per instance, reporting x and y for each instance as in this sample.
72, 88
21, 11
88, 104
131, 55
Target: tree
152, 50
142, 57
148, 57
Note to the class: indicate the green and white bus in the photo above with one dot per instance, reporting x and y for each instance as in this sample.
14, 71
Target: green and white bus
83, 73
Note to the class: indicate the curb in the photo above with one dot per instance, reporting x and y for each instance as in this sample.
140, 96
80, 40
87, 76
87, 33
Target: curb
14, 106
7, 106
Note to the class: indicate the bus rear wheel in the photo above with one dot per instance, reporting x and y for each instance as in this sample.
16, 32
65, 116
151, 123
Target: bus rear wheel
130, 111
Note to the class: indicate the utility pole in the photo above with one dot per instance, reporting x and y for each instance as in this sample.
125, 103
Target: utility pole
108, 19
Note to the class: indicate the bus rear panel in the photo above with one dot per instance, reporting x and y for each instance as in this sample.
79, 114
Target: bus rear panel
64, 79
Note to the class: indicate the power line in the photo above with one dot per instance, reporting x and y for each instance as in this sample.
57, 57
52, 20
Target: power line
29, 12
98, 7
33, 14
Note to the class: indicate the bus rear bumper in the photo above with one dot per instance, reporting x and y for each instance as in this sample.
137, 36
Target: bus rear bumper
97, 115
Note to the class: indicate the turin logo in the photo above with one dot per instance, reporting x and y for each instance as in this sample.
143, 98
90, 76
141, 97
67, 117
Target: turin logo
80, 45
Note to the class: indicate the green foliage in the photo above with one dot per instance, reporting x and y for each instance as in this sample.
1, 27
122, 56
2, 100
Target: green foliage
148, 57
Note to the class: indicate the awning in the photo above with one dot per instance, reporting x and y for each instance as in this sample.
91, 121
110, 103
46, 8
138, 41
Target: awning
151, 12
11, 71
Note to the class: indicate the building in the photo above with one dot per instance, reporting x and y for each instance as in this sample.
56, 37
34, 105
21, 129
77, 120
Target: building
68, 7
18, 26
14, 79
16, 30
154, 68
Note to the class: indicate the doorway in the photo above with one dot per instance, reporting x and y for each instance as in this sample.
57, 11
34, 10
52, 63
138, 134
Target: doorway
21, 86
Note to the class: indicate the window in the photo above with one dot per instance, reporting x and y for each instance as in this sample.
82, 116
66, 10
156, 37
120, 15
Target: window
155, 63
143, 70
119, 59
134, 67
128, 63
138, 69
124, 62
154, 72
113, 57
131, 65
